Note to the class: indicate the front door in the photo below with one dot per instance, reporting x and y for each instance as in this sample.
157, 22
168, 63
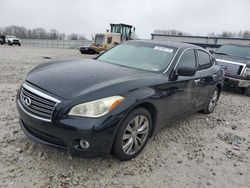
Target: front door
184, 88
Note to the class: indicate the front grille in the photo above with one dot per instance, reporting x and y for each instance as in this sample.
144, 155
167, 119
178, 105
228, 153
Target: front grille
232, 69
35, 104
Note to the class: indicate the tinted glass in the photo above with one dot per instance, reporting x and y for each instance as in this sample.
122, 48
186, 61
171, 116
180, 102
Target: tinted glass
109, 40
140, 55
204, 60
99, 39
188, 59
238, 51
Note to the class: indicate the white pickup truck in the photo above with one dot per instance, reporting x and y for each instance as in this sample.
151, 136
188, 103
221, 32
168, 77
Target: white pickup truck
11, 39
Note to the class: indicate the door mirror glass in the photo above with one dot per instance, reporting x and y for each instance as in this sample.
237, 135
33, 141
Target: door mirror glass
186, 71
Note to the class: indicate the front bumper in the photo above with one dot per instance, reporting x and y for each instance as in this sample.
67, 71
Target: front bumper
66, 133
236, 82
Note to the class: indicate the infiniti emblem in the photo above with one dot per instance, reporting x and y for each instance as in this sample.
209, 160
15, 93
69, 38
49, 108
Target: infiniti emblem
27, 101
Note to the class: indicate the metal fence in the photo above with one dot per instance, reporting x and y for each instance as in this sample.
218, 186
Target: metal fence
204, 41
72, 44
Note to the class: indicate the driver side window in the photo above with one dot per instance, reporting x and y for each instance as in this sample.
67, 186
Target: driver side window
188, 59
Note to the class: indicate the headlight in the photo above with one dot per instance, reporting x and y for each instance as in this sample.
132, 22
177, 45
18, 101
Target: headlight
96, 108
246, 72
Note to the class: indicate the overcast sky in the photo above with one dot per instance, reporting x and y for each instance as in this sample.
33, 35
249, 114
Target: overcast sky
94, 16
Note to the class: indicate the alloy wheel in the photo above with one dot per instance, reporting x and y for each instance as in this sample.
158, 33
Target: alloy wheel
213, 100
135, 134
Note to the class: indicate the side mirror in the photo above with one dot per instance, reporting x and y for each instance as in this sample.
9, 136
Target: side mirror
186, 71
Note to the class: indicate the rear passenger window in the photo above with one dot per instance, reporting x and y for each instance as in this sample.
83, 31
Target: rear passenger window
204, 60
188, 59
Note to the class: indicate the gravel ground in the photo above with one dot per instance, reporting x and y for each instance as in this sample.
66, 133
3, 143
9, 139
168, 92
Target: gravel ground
196, 151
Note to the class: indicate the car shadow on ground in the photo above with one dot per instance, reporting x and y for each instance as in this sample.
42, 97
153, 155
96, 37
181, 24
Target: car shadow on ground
232, 90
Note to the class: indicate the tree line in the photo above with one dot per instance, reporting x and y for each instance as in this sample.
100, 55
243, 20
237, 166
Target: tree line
225, 34
171, 32
39, 33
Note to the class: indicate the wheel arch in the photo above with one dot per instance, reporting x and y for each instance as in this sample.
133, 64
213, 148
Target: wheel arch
220, 87
152, 110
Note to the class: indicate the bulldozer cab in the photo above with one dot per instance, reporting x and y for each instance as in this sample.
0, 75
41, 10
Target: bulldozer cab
124, 29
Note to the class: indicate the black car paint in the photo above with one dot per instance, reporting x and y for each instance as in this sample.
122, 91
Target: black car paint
81, 81
87, 50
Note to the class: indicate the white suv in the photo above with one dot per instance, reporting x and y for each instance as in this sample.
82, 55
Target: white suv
11, 39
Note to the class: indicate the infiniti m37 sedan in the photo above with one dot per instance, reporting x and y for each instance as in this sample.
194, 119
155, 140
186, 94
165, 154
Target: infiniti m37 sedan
116, 101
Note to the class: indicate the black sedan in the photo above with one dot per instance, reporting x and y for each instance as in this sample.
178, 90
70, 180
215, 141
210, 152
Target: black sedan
115, 102
87, 50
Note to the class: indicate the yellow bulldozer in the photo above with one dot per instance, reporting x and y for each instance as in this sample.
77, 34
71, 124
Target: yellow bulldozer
118, 33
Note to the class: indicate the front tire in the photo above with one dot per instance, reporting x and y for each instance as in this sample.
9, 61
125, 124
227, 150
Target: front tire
133, 134
212, 101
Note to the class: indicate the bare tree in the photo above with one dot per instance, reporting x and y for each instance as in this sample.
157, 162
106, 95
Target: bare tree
171, 32
246, 34
75, 36
38, 33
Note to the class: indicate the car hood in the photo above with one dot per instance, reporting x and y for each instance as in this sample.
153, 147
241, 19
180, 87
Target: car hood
233, 59
70, 79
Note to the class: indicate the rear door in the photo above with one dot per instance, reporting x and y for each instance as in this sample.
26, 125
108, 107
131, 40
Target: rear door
205, 77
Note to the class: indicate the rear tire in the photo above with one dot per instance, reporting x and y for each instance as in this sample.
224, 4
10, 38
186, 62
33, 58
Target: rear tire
212, 101
133, 134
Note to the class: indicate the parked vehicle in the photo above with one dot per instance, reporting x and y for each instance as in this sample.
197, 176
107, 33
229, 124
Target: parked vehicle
118, 33
11, 39
236, 61
87, 50
1, 41
116, 101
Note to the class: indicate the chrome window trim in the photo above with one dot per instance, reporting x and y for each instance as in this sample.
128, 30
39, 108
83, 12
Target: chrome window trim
190, 48
236, 63
39, 93
182, 55
177, 51
32, 115
226, 61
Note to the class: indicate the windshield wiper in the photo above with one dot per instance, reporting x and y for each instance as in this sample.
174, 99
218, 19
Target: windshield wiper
221, 53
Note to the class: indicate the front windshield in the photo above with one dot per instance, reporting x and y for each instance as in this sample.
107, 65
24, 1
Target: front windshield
140, 55
99, 39
11, 36
233, 50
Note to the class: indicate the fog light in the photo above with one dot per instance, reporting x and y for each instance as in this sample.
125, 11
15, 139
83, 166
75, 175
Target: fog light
84, 144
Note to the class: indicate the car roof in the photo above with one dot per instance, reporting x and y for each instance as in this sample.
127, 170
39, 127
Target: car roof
168, 43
